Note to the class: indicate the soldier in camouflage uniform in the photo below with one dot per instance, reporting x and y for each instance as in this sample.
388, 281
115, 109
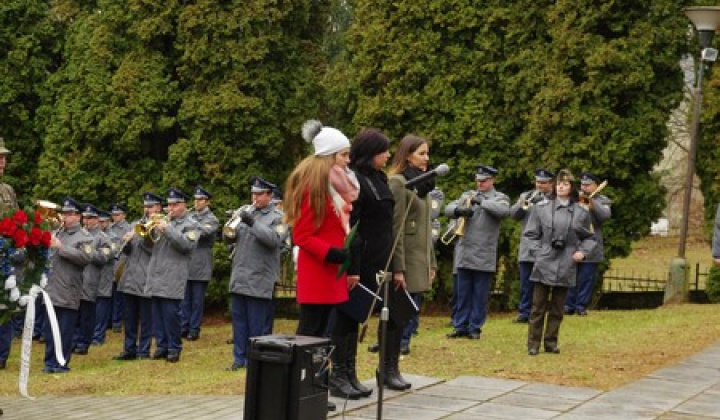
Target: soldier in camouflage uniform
201, 265
73, 248
8, 203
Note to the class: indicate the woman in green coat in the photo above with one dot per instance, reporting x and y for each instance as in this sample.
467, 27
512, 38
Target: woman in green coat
413, 261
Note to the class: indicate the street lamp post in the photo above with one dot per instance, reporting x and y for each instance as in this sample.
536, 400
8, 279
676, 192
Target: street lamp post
706, 20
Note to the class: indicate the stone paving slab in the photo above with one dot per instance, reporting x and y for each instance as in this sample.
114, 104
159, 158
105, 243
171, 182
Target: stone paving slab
707, 405
566, 392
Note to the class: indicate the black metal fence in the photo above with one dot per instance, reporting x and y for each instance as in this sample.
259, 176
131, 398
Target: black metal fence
619, 281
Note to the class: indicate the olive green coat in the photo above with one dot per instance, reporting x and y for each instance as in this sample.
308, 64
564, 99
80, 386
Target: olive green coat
414, 254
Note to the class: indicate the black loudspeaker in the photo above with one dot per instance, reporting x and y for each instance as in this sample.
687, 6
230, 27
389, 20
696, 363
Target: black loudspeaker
287, 378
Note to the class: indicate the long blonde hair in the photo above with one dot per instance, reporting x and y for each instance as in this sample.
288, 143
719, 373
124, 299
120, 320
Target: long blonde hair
312, 177
408, 145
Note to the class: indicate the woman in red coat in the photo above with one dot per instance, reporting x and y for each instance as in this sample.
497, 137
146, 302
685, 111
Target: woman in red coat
311, 208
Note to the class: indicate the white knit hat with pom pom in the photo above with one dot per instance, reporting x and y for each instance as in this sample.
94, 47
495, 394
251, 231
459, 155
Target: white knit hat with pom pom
325, 140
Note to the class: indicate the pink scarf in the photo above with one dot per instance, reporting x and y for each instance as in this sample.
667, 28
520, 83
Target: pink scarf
345, 189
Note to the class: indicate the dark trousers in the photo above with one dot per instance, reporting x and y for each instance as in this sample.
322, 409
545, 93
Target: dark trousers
6, 336
118, 312
578, 298
166, 323
526, 289
251, 317
453, 300
472, 299
193, 305
414, 323
103, 315
314, 319
67, 322
85, 325
40, 317
546, 314
138, 321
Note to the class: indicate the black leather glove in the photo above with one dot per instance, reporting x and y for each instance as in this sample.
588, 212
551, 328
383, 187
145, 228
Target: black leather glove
247, 218
462, 211
477, 199
537, 198
336, 256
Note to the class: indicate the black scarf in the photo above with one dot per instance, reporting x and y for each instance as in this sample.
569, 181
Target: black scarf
422, 188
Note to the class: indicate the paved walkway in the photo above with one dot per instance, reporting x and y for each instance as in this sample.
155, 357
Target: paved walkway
687, 391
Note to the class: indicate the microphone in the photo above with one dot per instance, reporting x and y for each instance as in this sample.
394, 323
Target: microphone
441, 170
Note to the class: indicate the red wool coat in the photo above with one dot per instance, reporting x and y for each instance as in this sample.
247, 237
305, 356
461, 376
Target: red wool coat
317, 280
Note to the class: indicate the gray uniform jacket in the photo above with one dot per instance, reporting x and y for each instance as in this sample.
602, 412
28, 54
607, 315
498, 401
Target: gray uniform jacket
716, 235
599, 213
477, 248
256, 259
555, 220
167, 272
521, 214
93, 271
65, 281
201, 262
107, 273
117, 232
414, 254
137, 257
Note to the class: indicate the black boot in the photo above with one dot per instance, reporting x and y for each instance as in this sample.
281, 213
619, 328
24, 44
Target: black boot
338, 382
393, 378
351, 373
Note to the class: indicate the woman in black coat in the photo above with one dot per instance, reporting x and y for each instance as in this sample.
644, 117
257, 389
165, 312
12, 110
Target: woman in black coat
373, 210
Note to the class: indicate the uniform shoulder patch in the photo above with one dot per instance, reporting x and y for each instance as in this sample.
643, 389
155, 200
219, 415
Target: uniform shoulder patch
106, 251
191, 235
87, 248
281, 229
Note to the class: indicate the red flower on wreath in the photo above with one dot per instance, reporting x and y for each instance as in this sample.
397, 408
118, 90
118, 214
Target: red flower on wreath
46, 239
7, 227
21, 238
38, 218
20, 217
35, 236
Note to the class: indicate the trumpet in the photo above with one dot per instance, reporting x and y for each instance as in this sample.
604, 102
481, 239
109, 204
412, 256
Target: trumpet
586, 199
228, 229
49, 212
456, 229
531, 199
147, 229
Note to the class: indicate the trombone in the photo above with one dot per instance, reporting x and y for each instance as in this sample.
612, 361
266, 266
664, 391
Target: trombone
457, 228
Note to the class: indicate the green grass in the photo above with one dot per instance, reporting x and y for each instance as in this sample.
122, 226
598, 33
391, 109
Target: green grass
603, 351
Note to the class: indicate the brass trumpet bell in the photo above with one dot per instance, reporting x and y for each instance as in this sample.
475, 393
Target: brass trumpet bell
50, 212
147, 229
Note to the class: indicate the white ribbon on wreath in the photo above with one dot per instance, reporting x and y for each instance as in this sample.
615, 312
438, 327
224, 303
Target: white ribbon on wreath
28, 302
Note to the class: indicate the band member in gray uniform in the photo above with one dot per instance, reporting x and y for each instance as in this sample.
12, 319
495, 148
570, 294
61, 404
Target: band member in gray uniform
598, 205
91, 280
104, 303
476, 255
72, 250
521, 211
167, 274
138, 307
118, 228
716, 238
560, 238
259, 237
201, 265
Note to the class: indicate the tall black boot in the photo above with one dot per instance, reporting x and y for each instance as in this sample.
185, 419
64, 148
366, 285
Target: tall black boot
352, 341
393, 378
338, 382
